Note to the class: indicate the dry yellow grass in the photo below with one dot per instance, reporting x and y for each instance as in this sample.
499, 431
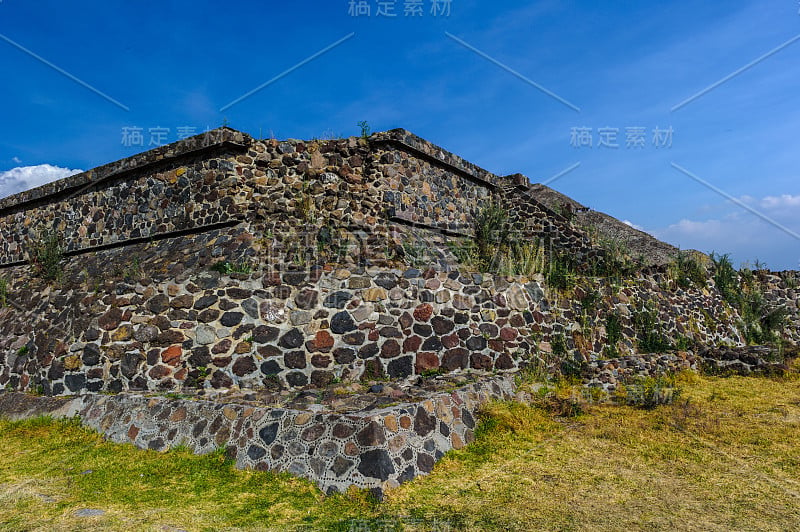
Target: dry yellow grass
724, 457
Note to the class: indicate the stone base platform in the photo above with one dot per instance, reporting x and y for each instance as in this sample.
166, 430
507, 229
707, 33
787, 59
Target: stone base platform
334, 446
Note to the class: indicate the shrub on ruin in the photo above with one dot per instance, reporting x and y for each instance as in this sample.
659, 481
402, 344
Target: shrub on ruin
47, 255
686, 271
561, 271
726, 278
649, 331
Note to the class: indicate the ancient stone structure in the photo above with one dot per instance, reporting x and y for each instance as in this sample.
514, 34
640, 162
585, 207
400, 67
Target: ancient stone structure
227, 262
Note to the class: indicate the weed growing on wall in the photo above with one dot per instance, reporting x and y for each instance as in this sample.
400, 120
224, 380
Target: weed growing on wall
366, 130
686, 271
226, 268
649, 331
561, 272
726, 278
47, 255
761, 320
616, 263
613, 335
494, 248
3, 292
492, 234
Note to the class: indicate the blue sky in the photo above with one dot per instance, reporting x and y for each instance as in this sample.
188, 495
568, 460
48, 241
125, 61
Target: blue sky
625, 66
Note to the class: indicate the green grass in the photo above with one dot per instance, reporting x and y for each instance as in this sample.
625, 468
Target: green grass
724, 456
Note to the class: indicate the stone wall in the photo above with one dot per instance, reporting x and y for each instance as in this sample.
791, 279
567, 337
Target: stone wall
783, 289
224, 176
312, 227
376, 449
173, 322
185, 186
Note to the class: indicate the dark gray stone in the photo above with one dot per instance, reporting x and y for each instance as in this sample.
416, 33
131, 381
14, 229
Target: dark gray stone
337, 299
292, 339
376, 464
268, 433
342, 323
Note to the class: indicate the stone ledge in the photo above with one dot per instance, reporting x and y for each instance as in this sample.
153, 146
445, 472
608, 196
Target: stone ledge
428, 150
375, 449
209, 140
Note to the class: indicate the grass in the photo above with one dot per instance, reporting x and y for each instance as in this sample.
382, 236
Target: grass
226, 268
724, 456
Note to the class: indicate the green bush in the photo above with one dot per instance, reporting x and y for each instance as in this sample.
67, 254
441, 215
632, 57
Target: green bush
561, 272
649, 332
613, 335
3, 292
726, 278
761, 321
47, 256
491, 235
226, 268
687, 271
613, 328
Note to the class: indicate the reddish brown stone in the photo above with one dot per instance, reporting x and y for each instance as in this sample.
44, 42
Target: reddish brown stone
411, 344
390, 348
343, 431
508, 334
111, 319
172, 355
221, 362
244, 366
185, 301
481, 361
242, 347
222, 347
497, 345
406, 320
455, 358
450, 341
517, 320
504, 361
133, 431
159, 372
423, 312
371, 435
271, 279
320, 361
323, 341
426, 361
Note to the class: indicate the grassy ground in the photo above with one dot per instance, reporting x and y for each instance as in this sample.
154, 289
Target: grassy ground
725, 456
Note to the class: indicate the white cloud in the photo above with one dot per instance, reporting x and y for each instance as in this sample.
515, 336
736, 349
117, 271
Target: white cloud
744, 235
16, 160
28, 177
630, 223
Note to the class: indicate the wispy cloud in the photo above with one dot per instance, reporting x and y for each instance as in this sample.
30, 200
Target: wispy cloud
27, 177
743, 235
